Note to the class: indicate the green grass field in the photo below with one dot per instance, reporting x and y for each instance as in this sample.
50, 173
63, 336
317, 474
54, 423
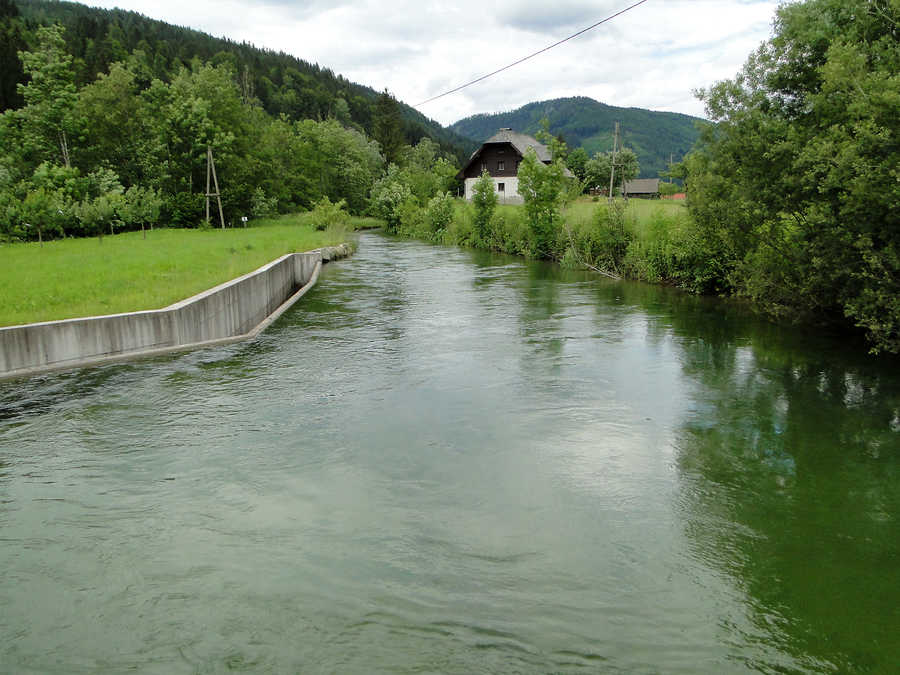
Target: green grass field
640, 214
84, 277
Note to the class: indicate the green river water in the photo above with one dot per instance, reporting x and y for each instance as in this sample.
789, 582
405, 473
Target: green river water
445, 461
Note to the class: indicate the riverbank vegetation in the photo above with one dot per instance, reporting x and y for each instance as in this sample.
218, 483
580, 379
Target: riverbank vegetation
793, 191
69, 278
796, 187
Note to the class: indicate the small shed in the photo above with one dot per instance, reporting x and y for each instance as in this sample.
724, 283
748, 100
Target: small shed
642, 188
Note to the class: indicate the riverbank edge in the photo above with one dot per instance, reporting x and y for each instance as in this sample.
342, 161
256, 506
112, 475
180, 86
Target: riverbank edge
236, 310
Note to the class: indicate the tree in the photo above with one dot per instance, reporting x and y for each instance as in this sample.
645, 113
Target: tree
388, 127
95, 214
12, 42
598, 167
388, 196
113, 118
797, 181
542, 189
141, 206
576, 163
50, 96
484, 199
425, 171
41, 211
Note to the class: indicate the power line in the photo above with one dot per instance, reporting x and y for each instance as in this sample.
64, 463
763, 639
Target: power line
530, 56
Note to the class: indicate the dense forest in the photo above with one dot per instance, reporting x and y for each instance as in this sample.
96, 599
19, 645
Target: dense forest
283, 84
109, 117
655, 137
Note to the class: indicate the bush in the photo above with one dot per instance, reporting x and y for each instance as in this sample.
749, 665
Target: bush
484, 201
413, 221
326, 214
262, 206
184, 209
388, 195
439, 214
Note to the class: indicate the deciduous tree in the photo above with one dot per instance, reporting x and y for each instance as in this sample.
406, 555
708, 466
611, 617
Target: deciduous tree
797, 181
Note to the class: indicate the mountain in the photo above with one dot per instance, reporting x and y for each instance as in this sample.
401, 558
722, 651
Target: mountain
584, 122
283, 83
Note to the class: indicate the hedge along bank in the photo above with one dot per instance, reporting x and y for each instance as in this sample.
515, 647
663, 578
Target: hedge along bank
235, 310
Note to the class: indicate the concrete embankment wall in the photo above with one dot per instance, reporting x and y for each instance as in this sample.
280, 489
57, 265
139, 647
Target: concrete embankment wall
235, 310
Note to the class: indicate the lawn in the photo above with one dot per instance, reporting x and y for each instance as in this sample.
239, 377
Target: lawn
85, 277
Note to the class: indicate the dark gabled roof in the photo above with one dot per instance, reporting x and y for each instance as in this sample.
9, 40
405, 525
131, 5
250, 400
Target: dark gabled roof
642, 186
521, 143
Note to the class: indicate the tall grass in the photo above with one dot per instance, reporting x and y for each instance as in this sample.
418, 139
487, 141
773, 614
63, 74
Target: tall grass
83, 277
650, 240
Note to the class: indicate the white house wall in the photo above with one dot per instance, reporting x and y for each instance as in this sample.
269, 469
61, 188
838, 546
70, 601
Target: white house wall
510, 194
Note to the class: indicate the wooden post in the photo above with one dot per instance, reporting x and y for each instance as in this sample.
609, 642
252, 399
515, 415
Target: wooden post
612, 166
211, 170
208, 175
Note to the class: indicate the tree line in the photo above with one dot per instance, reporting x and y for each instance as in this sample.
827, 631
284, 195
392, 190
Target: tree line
279, 82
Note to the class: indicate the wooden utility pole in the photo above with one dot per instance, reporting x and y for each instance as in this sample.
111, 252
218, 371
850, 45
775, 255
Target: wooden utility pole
612, 166
211, 171
671, 162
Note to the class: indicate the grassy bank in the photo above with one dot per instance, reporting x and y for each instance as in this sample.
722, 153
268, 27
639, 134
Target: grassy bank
648, 240
83, 277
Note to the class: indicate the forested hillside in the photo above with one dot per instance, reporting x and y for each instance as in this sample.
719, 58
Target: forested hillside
282, 83
584, 122
109, 118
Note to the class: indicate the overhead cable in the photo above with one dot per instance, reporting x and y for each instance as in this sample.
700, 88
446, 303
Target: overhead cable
530, 56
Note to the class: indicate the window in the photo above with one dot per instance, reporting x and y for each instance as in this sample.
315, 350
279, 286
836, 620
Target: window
482, 167
501, 187
501, 165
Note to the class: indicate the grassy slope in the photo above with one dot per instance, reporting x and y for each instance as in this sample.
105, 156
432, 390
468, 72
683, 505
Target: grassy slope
83, 277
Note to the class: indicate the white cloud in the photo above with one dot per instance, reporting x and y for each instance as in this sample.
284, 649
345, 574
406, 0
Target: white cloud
651, 57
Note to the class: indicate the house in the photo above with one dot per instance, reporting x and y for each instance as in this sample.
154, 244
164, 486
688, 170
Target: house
500, 156
642, 188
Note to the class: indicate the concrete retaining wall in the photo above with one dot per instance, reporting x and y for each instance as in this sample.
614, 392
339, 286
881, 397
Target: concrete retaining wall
235, 310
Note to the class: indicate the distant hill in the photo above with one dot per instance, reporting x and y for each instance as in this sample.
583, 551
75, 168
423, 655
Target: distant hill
283, 83
587, 123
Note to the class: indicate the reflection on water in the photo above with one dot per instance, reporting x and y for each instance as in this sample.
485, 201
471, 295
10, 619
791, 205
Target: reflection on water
791, 463
453, 461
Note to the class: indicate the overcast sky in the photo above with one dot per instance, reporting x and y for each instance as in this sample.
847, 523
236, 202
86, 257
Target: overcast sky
651, 57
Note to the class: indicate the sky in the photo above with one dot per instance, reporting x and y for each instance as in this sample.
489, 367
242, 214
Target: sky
653, 56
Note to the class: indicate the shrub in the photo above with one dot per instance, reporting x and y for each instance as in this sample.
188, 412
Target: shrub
326, 213
388, 195
484, 200
412, 219
439, 214
262, 206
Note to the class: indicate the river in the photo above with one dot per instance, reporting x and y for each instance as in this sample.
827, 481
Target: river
451, 461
